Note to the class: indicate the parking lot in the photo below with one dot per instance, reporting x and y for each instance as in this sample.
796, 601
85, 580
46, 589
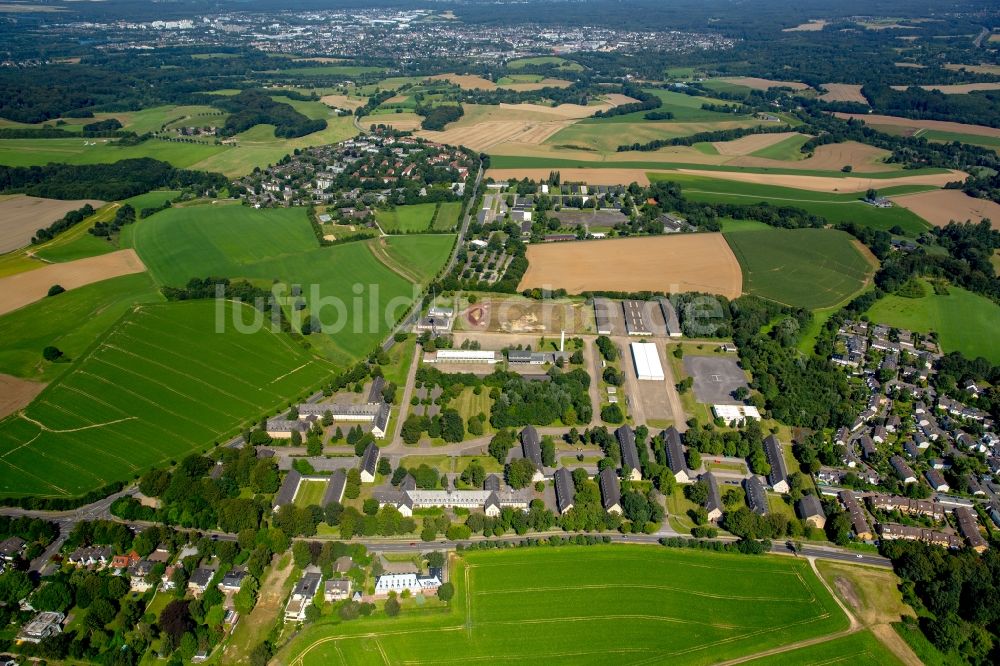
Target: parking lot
716, 378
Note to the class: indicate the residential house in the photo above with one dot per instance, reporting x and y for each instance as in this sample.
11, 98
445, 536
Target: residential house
630, 455
200, 579
902, 470
369, 463
713, 505
412, 582
675, 456
91, 556
892, 531
303, 594
968, 527
336, 590
11, 548
42, 626
755, 495
233, 580
810, 509
611, 491
859, 522
936, 481
565, 490
778, 476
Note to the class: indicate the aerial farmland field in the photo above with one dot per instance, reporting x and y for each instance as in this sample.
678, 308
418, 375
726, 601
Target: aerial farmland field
589, 605
416, 217
809, 268
158, 386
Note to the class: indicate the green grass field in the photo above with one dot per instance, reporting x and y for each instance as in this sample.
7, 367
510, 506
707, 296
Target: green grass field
684, 107
36, 152
861, 648
354, 294
416, 217
71, 322
811, 268
310, 492
165, 381
964, 321
786, 149
948, 137
448, 215
547, 606
834, 207
567, 65
326, 70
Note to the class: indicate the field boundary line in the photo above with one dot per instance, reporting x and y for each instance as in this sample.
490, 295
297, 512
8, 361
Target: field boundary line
381, 255
608, 586
87, 427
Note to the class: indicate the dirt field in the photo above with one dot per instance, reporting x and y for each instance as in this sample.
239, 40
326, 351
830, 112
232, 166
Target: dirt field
22, 216
812, 26
405, 122
688, 262
466, 81
596, 176
941, 125
942, 206
572, 111
518, 315
825, 183
488, 134
764, 84
19, 290
750, 143
956, 88
544, 83
343, 101
843, 92
16, 393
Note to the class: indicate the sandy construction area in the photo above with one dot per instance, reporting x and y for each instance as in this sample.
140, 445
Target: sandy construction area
941, 125
827, 183
466, 81
812, 26
751, 143
956, 88
343, 101
596, 176
488, 134
764, 84
19, 290
16, 393
843, 92
942, 206
21, 216
677, 263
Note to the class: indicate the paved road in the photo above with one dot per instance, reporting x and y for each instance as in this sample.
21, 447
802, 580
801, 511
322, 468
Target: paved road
592, 358
396, 441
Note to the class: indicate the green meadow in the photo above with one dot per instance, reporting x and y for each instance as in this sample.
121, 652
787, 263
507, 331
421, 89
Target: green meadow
964, 321
354, 293
787, 149
36, 152
549, 605
685, 108
809, 268
165, 381
562, 63
861, 648
70, 321
310, 492
836, 208
415, 217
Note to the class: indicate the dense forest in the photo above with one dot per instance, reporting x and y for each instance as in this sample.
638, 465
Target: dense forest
256, 107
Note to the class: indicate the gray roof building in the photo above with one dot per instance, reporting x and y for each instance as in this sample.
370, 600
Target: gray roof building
670, 318
611, 490
630, 455
778, 476
375, 392
675, 454
636, 317
756, 497
602, 315
532, 446
809, 508
903, 471
714, 502
286, 493
492, 482
369, 461
335, 487
564, 490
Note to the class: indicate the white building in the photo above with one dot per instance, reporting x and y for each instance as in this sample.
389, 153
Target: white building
738, 413
647, 361
462, 356
400, 582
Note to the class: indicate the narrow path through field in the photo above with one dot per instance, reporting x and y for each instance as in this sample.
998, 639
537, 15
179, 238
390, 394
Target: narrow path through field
404, 403
378, 250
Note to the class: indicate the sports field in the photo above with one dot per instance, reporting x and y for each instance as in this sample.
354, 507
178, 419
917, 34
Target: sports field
810, 268
578, 605
416, 217
964, 321
162, 383
354, 293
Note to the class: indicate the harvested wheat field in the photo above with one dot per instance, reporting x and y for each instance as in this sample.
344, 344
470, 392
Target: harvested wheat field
942, 125
19, 290
827, 183
940, 207
678, 263
813, 26
21, 216
956, 88
343, 101
981, 68
16, 393
466, 81
488, 134
751, 143
830, 157
572, 111
764, 84
544, 83
596, 176
843, 92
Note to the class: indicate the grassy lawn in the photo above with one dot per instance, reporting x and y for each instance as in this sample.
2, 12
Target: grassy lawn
786, 149
448, 215
871, 593
811, 268
157, 386
469, 404
310, 492
964, 321
71, 321
451, 464
568, 65
677, 508
562, 597
948, 137
422, 255
861, 649
252, 629
416, 217
37, 152
684, 107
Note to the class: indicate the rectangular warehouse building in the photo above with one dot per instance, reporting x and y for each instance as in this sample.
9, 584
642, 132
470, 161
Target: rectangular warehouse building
602, 315
636, 317
647, 361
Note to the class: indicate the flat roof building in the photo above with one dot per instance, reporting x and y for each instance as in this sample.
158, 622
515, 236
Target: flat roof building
602, 315
462, 356
673, 324
647, 361
636, 317
736, 413
43, 625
